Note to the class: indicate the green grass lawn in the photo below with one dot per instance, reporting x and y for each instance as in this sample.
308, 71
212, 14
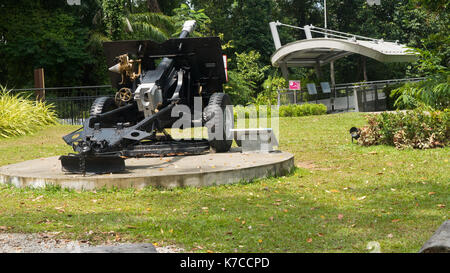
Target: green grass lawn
341, 197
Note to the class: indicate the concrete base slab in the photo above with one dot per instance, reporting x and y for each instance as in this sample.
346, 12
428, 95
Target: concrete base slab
168, 172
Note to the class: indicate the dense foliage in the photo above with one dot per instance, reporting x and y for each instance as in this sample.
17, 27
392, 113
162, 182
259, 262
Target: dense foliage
433, 63
245, 80
416, 129
67, 40
306, 109
434, 93
20, 116
292, 110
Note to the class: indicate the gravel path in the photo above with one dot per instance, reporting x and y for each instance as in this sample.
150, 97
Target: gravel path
48, 243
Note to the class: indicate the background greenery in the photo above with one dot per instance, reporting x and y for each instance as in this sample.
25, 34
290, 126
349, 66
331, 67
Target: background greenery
66, 40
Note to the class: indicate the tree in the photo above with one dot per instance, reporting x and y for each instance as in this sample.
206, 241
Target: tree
245, 81
184, 13
124, 23
113, 12
434, 62
43, 34
153, 6
251, 26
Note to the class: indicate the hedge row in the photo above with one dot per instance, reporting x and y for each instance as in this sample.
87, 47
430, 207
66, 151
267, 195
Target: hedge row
292, 110
415, 129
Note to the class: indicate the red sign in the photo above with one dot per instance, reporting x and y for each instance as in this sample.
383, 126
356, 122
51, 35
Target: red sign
294, 85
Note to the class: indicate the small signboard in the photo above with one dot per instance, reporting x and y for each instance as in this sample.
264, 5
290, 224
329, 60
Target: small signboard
311, 88
325, 87
374, 2
294, 85
74, 2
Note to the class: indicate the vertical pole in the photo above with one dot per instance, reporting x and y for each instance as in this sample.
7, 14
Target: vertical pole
364, 68
333, 82
307, 30
364, 90
295, 96
348, 99
325, 15
357, 99
333, 85
376, 98
317, 68
364, 99
279, 98
39, 82
275, 36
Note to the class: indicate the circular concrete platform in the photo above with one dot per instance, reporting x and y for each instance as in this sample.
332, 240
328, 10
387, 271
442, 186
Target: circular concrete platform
168, 172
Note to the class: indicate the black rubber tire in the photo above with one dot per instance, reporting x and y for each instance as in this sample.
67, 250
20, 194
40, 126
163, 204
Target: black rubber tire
218, 103
102, 105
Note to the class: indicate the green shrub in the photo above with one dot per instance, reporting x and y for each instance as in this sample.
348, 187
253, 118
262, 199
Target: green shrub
269, 95
20, 116
239, 109
416, 129
291, 110
307, 109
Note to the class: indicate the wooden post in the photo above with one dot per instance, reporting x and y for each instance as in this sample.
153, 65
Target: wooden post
333, 82
364, 91
364, 68
39, 82
333, 86
317, 68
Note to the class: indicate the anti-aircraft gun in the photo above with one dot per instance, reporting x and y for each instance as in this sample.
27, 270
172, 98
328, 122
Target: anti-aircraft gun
152, 80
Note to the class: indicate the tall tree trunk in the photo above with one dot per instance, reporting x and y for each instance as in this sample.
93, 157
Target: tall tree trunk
153, 6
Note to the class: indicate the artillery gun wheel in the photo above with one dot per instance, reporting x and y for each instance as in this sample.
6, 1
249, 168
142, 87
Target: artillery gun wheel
102, 105
217, 108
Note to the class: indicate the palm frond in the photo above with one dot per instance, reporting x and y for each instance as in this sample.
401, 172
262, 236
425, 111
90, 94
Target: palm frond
157, 20
145, 31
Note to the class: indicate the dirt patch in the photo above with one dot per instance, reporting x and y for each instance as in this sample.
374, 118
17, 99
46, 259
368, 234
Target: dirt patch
48, 243
311, 166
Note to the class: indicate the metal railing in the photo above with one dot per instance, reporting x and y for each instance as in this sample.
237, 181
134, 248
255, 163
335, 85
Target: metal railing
72, 104
358, 96
330, 33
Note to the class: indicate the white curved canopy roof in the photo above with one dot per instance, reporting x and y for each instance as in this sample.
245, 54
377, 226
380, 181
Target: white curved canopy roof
320, 51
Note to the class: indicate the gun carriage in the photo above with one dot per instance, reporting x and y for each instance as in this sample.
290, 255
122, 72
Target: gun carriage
152, 80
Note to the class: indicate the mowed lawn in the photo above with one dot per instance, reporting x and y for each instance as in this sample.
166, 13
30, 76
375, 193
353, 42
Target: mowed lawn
340, 198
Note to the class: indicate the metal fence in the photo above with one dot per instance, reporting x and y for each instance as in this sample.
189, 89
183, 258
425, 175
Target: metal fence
359, 96
72, 104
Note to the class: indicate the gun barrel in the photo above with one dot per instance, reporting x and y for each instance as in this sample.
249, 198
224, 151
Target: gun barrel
188, 28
